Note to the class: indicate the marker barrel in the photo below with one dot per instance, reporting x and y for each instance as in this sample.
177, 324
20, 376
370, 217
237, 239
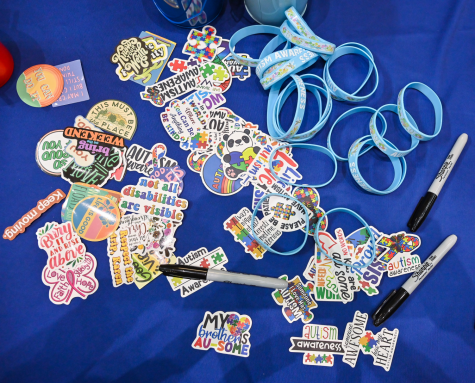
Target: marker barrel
246, 279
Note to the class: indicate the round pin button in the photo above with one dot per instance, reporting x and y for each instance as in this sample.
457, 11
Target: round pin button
40, 85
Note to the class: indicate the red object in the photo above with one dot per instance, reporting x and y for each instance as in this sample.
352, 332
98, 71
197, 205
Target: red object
6, 65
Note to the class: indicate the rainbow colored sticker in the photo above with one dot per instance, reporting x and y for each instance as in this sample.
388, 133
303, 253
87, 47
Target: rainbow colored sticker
40, 85
95, 218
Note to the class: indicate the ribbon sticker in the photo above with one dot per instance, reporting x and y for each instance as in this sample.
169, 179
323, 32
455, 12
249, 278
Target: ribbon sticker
351, 339
239, 225
200, 258
19, 227
145, 161
398, 243
296, 300
319, 343
226, 332
381, 346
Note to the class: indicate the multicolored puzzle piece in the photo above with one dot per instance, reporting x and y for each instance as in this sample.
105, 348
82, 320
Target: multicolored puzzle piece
202, 45
281, 212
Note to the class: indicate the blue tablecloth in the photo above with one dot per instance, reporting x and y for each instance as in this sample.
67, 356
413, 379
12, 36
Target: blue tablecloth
126, 334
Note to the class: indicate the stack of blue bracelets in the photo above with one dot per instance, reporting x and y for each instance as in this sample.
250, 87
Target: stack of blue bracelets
301, 50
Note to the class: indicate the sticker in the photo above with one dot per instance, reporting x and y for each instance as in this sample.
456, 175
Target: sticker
319, 343
153, 197
96, 174
208, 99
322, 274
51, 153
225, 332
161, 50
202, 44
170, 174
238, 70
80, 157
173, 87
311, 199
40, 85
120, 258
177, 65
200, 258
115, 117
147, 266
380, 346
19, 227
351, 339
79, 191
398, 243
140, 159
94, 142
95, 218
214, 179
296, 300
239, 225
133, 58
62, 244
347, 282
196, 160
403, 264
284, 214
75, 88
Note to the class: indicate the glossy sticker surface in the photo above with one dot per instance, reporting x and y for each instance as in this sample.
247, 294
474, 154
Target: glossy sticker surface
40, 85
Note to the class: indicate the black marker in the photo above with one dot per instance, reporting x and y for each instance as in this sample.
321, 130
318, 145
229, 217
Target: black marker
193, 272
426, 202
397, 297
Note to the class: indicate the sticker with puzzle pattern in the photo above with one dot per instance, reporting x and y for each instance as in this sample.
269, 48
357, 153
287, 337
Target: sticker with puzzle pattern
215, 259
196, 160
296, 300
214, 179
322, 274
225, 332
380, 346
202, 45
319, 343
311, 199
239, 225
284, 214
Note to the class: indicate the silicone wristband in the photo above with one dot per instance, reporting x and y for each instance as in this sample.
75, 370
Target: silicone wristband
275, 58
345, 49
256, 209
378, 139
277, 100
316, 148
294, 65
358, 109
254, 30
411, 127
399, 165
301, 26
358, 217
312, 44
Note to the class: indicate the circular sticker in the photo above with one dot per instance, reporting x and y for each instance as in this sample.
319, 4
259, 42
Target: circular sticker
284, 214
311, 199
212, 175
95, 218
40, 85
115, 117
51, 155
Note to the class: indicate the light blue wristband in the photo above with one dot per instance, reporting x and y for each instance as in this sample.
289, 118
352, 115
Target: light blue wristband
368, 229
276, 58
307, 38
254, 213
399, 165
346, 49
409, 125
358, 109
276, 101
316, 148
378, 139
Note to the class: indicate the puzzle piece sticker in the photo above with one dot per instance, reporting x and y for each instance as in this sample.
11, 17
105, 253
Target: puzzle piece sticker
225, 332
239, 225
296, 300
202, 45
319, 343
311, 199
284, 214
215, 259
177, 65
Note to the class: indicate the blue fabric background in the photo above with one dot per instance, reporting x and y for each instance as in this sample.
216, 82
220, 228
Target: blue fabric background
127, 335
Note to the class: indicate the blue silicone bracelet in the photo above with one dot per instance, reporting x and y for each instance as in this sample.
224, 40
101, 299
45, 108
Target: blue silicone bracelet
351, 212
276, 101
378, 139
358, 109
316, 148
399, 165
256, 209
407, 124
346, 49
